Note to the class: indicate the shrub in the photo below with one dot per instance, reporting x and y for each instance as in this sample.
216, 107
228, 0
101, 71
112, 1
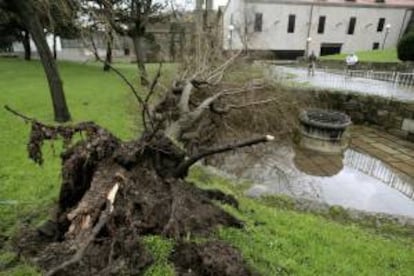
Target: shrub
405, 47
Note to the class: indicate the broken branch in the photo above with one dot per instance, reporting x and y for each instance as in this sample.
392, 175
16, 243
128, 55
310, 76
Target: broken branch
103, 219
18, 114
185, 165
253, 103
185, 97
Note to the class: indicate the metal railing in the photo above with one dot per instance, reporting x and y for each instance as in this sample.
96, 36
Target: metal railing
398, 78
385, 84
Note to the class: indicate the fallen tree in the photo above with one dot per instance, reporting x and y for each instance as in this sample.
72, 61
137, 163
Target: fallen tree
114, 192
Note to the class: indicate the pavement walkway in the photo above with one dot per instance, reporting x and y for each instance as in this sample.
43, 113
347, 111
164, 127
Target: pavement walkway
325, 80
394, 151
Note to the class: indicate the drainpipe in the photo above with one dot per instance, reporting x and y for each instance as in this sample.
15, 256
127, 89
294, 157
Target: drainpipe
309, 31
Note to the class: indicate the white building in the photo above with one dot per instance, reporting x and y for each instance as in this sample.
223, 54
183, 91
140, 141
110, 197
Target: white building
292, 28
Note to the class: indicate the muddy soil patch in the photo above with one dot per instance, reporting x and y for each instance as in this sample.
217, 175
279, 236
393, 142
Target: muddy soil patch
210, 258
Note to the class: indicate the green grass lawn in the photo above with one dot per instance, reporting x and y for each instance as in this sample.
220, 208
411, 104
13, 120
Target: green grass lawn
387, 55
275, 241
91, 95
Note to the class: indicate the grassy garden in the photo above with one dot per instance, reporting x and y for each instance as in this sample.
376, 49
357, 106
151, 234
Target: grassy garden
386, 55
275, 241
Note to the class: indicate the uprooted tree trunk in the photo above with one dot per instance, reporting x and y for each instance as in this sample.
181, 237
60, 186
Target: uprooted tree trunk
115, 192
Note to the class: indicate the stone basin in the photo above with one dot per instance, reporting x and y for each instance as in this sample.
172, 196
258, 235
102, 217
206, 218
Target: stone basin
324, 130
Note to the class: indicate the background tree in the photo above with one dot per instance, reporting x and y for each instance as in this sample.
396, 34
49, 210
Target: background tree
405, 47
30, 13
132, 18
61, 21
98, 14
11, 30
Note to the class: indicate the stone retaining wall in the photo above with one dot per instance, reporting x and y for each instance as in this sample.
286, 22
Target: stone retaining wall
369, 110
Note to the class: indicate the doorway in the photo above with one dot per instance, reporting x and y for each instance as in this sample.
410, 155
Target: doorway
330, 48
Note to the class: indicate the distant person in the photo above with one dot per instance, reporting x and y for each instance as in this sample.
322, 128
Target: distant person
351, 62
312, 64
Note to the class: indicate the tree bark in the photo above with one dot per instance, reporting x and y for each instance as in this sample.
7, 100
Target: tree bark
31, 20
95, 49
54, 47
140, 54
108, 58
26, 46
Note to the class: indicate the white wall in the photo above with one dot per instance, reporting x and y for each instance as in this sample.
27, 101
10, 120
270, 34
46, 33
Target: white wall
274, 35
18, 46
336, 27
234, 10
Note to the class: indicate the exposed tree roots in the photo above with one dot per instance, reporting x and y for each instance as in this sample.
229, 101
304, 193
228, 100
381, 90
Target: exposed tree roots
115, 192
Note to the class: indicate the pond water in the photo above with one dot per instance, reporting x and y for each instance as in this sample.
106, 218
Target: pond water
352, 180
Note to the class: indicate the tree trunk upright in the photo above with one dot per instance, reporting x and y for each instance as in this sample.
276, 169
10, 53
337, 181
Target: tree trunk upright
26, 46
94, 47
108, 57
31, 20
140, 54
54, 47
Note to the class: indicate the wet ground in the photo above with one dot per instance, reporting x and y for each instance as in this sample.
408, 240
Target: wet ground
354, 180
395, 152
342, 83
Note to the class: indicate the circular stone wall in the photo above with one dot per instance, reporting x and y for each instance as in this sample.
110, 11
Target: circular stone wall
324, 130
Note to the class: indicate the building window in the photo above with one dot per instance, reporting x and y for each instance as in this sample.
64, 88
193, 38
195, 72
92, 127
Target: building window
381, 24
321, 24
351, 26
291, 24
258, 22
375, 46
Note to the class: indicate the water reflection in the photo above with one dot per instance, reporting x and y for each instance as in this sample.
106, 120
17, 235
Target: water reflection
353, 180
316, 164
377, 169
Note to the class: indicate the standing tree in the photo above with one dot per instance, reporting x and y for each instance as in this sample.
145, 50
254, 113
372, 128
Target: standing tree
405, 47
11, 29
132, 18
100, 14
30, 13
61, 21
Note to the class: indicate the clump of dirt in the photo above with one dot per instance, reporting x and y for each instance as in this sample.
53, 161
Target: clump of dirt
210, 258
115, 192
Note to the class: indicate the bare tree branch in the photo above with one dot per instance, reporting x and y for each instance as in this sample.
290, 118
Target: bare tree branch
223, 67
204, 105
184, 166
142, 102
145, 109
18, 114
254, 103
185, 97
